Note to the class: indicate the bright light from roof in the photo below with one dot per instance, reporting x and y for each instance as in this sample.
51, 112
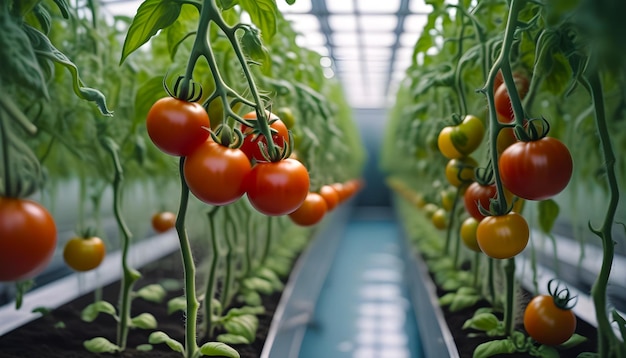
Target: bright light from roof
409, 39
345, 39
377, 6
419, 6
339, 6
342, 23
379, 39
299, 6
378, 22
415, 23
304, 23
377, 53
325, 61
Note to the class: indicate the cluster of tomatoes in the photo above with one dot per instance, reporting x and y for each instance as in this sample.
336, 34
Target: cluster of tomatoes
536, 168
221, 173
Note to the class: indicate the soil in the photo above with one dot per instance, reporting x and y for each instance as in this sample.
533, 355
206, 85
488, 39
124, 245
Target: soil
61, 332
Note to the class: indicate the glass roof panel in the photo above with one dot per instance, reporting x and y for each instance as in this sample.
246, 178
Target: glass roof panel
342, 23
377, 6
378, 22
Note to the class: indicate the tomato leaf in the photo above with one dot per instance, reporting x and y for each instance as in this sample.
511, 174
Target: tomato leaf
230, 338
227, 4
184, 27
548, 212
144, 321
263, 15
91, 312
258, 284
245, 310
573, 341
217, 349
144, 347
463, 301
153, 293
245, 325
252, 298
491, 348
161, 337
176, 304
19, 63
482, 322
547, 352
64, 7
100, 345
152, 16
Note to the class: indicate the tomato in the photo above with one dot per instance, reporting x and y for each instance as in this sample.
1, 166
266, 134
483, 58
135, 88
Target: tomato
163, 221
461, 171
483, 194
277, 188
311, 211
440, 218
468, 233
28, 237
215, 174
251, 141
286, 115
502, 100
547, 323
177, 127
447, 198
536, 170
84, 254
330, 195
341, 191
504, 236
462, 139
430, 209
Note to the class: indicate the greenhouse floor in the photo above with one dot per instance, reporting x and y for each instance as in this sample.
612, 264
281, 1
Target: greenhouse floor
364, 309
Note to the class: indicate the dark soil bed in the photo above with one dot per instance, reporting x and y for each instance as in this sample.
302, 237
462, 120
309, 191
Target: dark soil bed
61, 333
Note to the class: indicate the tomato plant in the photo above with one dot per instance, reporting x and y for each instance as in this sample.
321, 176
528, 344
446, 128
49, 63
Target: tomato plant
548, 318
503, 236
460, 171
477, 195
177, 127
84, 253
311, 211
163, 221
215, 174
536, 170
277, 188
250, 145
468, 233
330, 195
28, 238
462, 139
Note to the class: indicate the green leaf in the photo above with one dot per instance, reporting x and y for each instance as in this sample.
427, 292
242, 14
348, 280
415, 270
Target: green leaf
548, 352
271, 276
252, 298
91, 312
19, 63
153, 293
144, 321
149, 92
245, 310
245, 325
230, 338
161, 337
100, 345
145, 347
290, 2
263, 15
447, 299
227, 4
548, 212
483, 322
491, 348
573, 341
258, 284
176, 304
218, 349
463, 301
184, 27
64, 7
152, 16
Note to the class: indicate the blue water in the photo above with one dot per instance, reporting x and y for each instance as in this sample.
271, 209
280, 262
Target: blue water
364, 310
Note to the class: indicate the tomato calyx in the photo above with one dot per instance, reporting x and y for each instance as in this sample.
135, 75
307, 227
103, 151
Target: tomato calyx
562, 296
183, 93
228, 137
533, 129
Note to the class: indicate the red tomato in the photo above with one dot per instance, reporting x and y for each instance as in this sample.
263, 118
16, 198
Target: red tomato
547, 323
536, 170
163, 221
502, 99
177, 127
277, 188
28, 238
311, 211
504, 236
84, 254
215, 174
251, 141
330, 195
477, 193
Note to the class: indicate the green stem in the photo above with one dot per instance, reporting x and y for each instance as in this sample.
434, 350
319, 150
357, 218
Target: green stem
509, 270
229, 259
476, 268
248, 238
210, 285
606, 337
189, 270
6, 164
268, 240
129, 275
491, 280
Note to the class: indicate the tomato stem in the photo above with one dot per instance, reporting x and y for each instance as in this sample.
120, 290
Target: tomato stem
129, 275
6, 164
210, 285
228, 234
268, 240
509, 269
189, 270
606, 338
